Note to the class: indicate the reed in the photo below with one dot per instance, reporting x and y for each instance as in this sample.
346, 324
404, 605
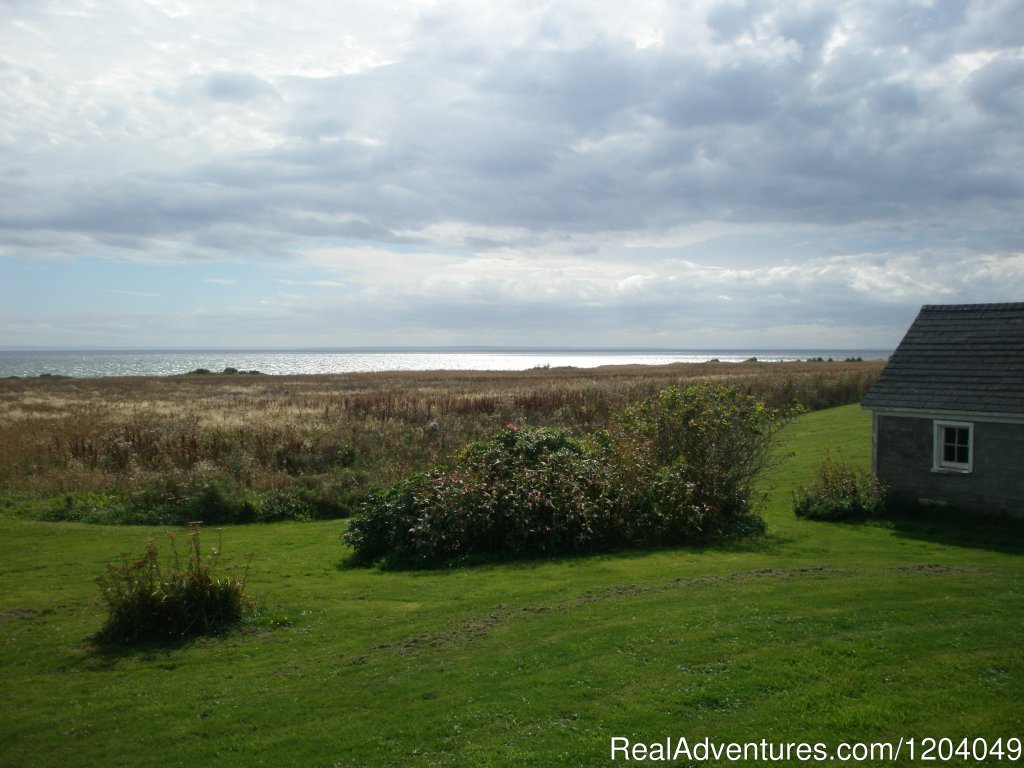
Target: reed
325, 440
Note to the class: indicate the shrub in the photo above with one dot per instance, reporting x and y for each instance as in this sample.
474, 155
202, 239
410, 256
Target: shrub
148, 602
202, 494
523, 492
840, 492
684, 462
174, 498
305, 459
678, 467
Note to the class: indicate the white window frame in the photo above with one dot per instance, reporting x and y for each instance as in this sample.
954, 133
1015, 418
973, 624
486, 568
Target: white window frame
939, 463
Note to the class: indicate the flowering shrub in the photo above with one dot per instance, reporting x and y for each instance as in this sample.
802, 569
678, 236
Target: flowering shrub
840, 492
524, 491
678, 467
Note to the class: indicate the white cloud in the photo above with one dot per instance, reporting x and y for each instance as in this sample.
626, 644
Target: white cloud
328, 284
464, 165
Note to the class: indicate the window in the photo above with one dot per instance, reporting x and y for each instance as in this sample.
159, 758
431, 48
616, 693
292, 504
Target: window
954, 447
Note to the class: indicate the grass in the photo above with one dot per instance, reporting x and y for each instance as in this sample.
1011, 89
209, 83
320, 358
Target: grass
820, 632
229, 448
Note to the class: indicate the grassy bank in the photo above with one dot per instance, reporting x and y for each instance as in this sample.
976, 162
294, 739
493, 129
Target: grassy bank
242, 448
819, 632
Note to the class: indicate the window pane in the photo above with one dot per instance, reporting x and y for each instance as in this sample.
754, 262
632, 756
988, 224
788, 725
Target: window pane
956, 445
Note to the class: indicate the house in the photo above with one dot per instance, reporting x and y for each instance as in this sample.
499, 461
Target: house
948, 409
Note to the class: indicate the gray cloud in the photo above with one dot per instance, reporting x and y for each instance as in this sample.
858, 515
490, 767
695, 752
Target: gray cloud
998, 88
801, 135
237, 87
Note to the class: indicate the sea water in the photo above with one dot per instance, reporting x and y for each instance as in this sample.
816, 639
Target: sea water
95, 363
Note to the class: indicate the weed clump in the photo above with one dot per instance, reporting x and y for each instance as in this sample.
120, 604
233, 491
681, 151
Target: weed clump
678, 467
148, 602
840, 492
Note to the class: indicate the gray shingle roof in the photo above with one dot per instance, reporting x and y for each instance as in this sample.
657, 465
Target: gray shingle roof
957, 357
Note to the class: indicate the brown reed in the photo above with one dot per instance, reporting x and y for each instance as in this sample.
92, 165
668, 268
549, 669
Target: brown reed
68, 436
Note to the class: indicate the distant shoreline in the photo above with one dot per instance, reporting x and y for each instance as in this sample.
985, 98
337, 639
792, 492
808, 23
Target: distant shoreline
95, 363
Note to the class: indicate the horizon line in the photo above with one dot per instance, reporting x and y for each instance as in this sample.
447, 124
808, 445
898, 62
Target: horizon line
442, 348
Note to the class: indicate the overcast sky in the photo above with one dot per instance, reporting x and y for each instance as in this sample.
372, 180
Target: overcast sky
657, 174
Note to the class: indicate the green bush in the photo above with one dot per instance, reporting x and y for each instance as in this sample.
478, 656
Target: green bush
523, 492
305, 459
147, 602
840, 492
203, 494
684, 462
177, 498
678, 467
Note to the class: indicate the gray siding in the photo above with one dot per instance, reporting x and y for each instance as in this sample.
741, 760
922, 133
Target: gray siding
903, 461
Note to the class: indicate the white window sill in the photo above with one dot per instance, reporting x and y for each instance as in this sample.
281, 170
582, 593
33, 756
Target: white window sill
952, 471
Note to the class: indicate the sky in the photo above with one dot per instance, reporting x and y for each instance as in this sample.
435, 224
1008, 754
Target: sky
327, 173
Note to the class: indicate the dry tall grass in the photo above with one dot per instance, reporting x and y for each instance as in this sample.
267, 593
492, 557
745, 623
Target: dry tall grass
61, 436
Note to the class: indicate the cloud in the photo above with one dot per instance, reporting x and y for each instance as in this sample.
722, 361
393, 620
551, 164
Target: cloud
526, 162
237, 87
998, 87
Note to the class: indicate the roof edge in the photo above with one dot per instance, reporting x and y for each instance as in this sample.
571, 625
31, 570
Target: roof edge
1013, 305
996, 417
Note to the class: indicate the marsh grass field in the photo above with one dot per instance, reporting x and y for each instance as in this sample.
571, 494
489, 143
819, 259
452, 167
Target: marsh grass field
233, 448
818, 632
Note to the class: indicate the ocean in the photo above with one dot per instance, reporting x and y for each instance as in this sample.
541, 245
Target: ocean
96, 363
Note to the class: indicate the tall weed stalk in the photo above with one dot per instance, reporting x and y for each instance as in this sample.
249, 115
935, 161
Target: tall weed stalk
147, 601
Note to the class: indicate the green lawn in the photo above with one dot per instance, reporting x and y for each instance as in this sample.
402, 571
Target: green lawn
819, 633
